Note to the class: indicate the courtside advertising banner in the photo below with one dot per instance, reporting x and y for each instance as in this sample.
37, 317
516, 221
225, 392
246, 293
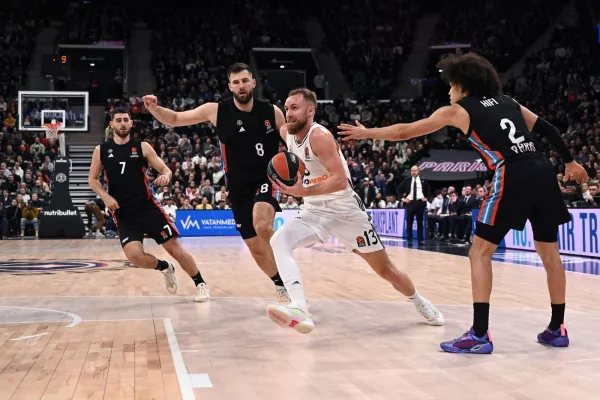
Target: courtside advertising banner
217, 222
578, 237
388, 222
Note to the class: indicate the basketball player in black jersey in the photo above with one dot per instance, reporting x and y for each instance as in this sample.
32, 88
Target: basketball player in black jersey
501, 130
133, 205
248, 130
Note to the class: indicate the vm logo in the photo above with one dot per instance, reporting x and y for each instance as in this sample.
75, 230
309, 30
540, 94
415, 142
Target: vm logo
188, 223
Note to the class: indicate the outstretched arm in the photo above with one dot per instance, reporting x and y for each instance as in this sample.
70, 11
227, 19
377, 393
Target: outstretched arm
453, 115
203, 113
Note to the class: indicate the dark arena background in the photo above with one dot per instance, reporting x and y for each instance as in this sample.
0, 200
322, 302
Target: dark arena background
79, 321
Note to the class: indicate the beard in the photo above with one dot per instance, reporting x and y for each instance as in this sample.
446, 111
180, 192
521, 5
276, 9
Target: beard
122, 133
297, 126
245, 100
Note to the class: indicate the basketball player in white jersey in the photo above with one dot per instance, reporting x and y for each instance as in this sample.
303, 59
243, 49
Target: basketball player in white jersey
331, 209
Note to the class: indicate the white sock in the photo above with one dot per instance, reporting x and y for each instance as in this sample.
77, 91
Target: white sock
296, 291
283, 242
417, 299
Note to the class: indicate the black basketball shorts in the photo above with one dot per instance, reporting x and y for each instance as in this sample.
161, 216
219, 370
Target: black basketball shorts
523, 190
243, 201
145, 218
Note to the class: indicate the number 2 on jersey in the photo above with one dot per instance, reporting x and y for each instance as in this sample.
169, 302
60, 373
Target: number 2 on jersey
518, 146
507, 123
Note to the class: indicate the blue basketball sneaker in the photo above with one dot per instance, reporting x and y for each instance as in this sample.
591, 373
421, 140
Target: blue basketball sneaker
470, 344
557, 338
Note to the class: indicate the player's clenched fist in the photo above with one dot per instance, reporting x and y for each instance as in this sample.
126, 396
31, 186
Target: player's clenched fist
150, 101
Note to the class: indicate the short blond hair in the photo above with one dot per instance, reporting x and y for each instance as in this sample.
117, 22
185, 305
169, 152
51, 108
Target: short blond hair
307, 94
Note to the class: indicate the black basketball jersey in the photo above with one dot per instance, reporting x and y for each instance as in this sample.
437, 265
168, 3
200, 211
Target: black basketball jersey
125, 172
248, 142
498, 131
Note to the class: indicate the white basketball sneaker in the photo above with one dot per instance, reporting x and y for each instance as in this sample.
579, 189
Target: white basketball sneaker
170, 278
433, 316
202, 293
282, 295
292, 316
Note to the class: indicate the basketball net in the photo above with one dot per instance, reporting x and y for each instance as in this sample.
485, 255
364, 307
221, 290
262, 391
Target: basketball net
51, 129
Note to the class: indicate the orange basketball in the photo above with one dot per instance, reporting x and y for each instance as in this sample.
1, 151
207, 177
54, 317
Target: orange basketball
284, 167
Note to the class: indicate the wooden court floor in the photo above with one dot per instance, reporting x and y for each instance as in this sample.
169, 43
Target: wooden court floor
78, 323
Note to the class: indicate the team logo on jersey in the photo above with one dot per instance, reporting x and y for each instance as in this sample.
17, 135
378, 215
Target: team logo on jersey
110, 151
306, 154
239, 122
360, 241
268, 125
134, 152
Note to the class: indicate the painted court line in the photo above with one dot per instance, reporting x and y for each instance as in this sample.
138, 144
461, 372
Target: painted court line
185, 383
31, 336
200, 381
398, 302
76, 318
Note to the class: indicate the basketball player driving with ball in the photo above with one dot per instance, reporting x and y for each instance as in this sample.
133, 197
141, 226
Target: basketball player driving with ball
332, 209
248, 130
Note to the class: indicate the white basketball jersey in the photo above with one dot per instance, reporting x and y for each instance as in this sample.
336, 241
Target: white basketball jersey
315, 171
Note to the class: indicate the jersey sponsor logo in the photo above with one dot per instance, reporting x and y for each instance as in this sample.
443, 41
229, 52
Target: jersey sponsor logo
125, 240
189, 223
268, 126
314, 181
36, 266
307, 154
242, 129
111, 156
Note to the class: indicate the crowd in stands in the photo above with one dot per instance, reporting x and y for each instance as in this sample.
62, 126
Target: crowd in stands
499, 31
26, 158
372, 45
95, 22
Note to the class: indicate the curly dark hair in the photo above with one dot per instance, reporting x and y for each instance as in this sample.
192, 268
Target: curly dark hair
473, 73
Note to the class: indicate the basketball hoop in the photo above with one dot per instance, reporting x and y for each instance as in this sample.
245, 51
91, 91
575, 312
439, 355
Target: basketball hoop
51, 129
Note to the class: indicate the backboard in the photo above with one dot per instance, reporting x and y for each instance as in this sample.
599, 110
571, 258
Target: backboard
39, 107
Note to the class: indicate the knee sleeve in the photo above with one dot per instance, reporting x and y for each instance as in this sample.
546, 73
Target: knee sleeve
546, 234
492, 234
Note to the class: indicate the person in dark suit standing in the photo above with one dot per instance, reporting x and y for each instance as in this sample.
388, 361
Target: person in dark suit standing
367, 191
415, 192
470, 203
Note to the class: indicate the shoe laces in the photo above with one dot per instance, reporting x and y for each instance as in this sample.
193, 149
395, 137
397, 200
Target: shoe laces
202, 289
427, 310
